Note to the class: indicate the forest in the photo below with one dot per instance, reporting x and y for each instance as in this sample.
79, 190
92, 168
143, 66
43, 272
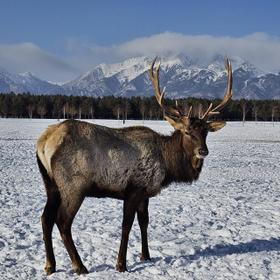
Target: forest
108, 107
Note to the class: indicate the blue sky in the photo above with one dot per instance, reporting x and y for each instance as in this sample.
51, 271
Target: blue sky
69, 37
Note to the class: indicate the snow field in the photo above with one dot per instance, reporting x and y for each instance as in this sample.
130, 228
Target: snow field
225, 226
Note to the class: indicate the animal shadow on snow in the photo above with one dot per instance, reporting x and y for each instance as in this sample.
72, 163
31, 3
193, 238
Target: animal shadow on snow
221, 250
101, 268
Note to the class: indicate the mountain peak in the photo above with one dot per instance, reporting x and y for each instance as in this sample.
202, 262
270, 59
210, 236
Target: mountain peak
182, 76
27, 74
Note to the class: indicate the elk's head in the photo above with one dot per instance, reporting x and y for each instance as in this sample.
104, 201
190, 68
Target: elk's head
194, 129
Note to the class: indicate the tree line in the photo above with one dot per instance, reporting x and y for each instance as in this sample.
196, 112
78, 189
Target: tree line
83, 107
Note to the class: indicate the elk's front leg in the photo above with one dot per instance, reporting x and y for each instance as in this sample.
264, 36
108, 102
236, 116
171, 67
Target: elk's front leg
130, 205
143, 220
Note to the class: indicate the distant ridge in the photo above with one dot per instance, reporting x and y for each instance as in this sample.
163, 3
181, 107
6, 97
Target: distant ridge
182, 76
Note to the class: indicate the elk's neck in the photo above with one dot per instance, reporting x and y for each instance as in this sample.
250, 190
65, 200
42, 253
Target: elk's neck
181, 163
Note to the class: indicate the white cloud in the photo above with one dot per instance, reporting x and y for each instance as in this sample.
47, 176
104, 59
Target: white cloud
260, 49
25, 57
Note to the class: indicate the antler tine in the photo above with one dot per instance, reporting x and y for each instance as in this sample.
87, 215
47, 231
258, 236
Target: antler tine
229, 92
151, 70
207, 111
180, 109
227, 97
154, 75
190, 112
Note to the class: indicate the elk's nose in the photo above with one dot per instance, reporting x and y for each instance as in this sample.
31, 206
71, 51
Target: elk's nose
203, 152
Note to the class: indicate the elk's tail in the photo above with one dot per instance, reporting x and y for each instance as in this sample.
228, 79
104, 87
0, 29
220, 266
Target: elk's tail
50, 185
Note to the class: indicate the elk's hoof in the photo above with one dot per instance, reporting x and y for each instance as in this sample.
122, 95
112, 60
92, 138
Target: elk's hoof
121, 268
81, 270
145, 258
50, 270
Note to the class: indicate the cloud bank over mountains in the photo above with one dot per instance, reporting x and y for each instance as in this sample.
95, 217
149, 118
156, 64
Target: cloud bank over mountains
260, 49
27, 57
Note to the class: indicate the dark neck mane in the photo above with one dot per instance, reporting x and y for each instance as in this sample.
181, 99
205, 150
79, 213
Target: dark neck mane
181, 164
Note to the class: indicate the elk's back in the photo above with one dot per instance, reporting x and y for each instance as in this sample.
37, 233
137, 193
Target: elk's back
94, 158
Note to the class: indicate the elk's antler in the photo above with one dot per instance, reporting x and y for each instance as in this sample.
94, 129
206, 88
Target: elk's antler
228, 95
154, 76
176, 113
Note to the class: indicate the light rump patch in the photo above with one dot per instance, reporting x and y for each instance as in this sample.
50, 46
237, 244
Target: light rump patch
48, 143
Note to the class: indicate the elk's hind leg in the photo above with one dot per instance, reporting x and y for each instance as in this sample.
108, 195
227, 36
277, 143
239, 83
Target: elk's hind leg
48, 219
143, 220
68, 208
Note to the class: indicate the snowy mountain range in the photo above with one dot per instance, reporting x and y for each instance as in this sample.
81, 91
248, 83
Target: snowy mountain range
181, 75
26, 82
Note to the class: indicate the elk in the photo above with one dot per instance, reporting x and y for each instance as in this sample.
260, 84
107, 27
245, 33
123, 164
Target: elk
80, 159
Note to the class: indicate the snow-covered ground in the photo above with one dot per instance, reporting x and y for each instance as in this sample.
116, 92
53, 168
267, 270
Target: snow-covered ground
225, 226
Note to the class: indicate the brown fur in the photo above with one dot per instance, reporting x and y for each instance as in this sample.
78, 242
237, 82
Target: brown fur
79, 159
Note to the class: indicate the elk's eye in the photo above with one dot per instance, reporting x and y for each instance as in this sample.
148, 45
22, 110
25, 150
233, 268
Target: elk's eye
187, 133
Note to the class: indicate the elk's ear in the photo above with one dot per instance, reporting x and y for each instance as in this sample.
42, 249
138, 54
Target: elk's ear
215, 126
